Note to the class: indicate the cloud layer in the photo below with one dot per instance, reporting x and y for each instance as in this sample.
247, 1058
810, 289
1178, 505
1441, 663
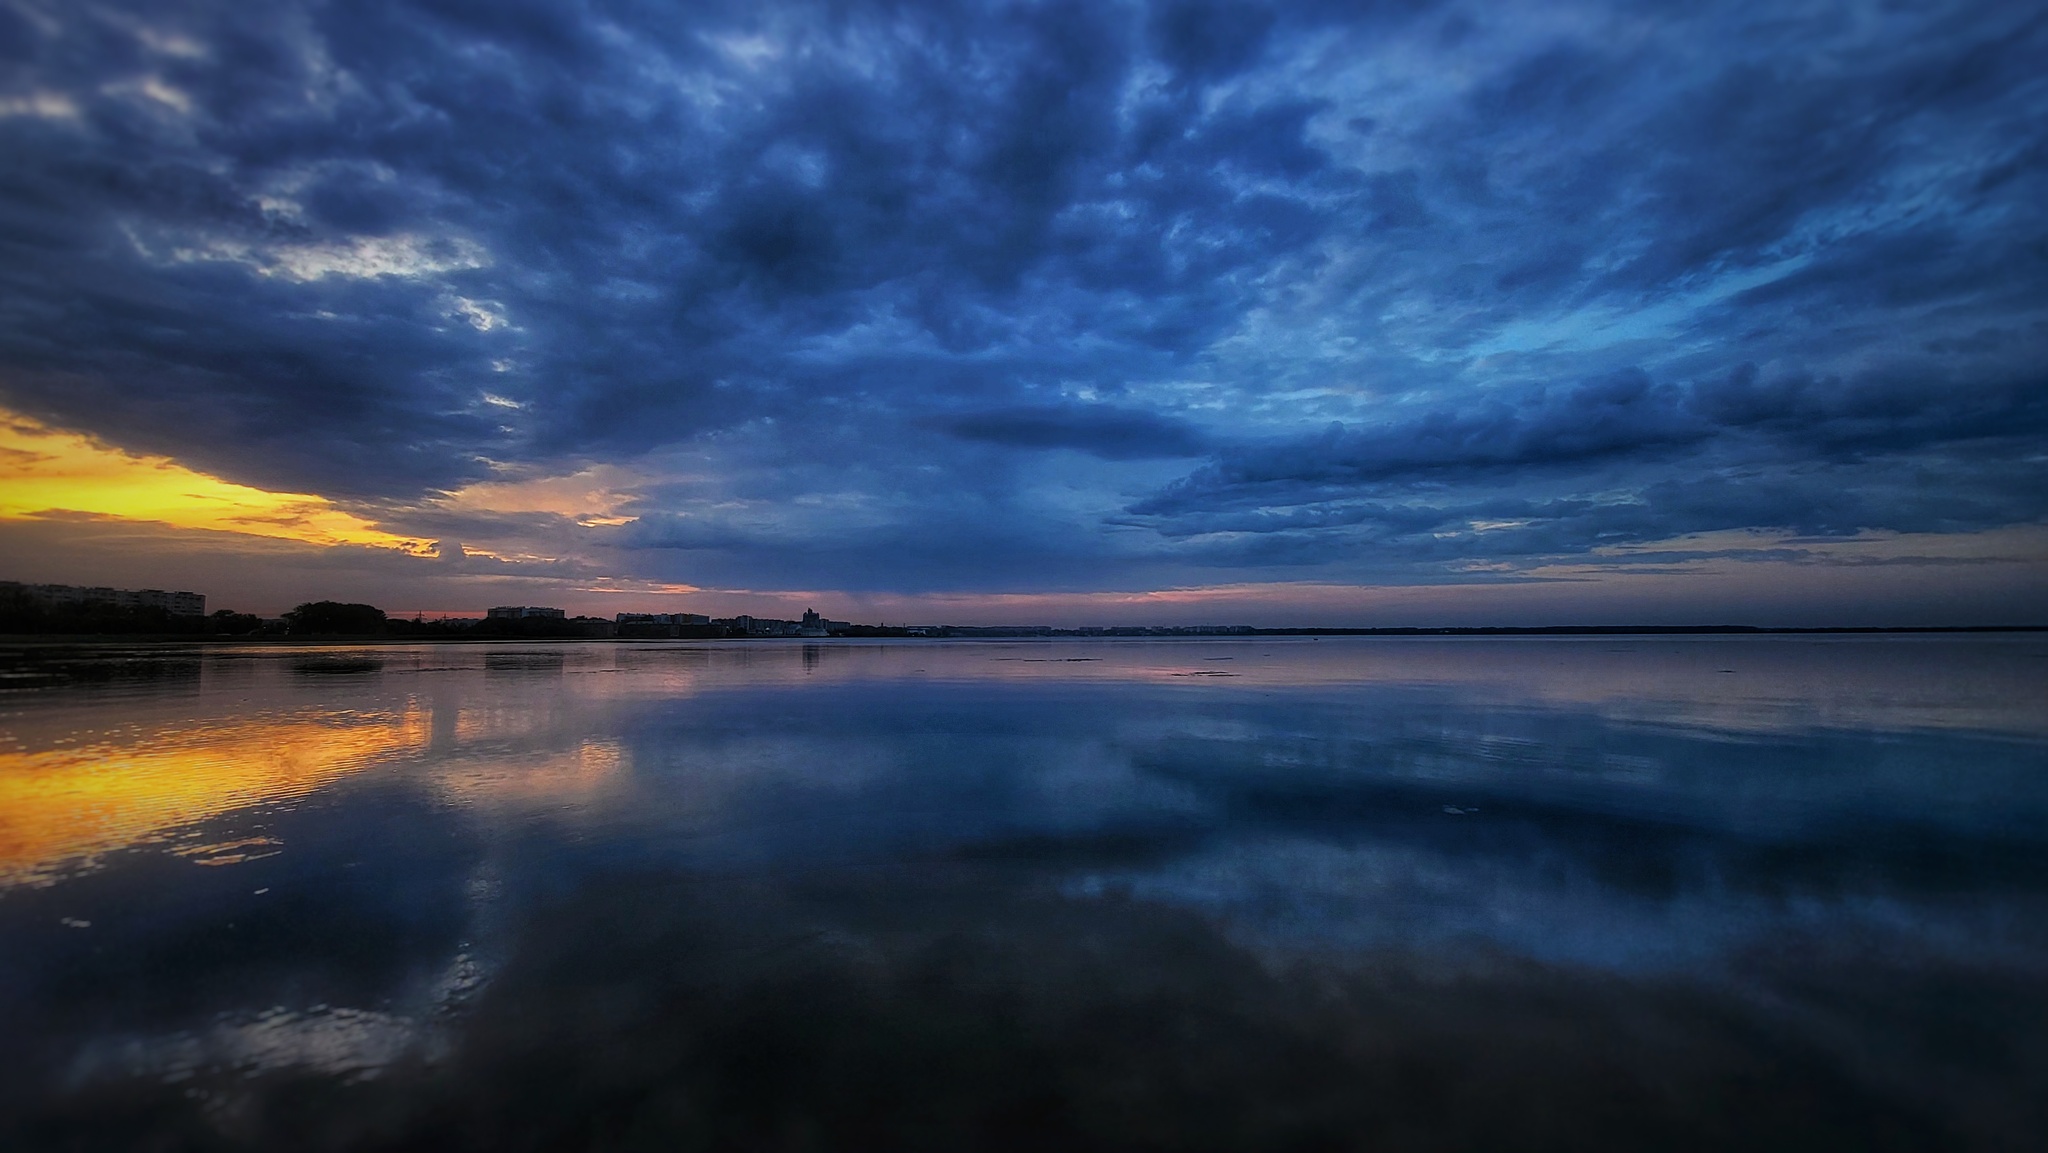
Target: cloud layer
1046, 297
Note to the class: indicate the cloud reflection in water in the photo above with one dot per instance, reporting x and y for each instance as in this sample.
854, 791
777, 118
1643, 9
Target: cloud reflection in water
1433, 894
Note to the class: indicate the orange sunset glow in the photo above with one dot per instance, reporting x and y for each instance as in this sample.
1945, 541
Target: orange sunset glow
46, 471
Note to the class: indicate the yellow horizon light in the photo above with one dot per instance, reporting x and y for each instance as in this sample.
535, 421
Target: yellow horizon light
46, 471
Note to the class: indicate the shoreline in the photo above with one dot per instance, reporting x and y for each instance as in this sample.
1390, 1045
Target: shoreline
980, 633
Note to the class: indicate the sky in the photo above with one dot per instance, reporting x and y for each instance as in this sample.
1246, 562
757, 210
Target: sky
1310, 313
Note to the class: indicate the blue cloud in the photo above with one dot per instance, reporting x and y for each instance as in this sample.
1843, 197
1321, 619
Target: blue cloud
1147, 291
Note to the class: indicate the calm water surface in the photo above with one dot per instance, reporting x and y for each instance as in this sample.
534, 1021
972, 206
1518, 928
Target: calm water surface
1237, 894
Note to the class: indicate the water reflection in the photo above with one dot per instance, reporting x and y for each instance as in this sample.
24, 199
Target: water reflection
62, 807
575, 779
336, 665
544, 661
1238, 894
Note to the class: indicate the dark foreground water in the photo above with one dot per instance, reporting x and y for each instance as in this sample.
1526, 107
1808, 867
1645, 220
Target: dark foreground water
1252, 894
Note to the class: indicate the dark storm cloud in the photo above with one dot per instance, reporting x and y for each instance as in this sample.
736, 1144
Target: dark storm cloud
1819, 457
1104, 430
1794, 417
1392, 269
1624, 413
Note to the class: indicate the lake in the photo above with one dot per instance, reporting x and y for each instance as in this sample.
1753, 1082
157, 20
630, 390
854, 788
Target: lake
1248, 893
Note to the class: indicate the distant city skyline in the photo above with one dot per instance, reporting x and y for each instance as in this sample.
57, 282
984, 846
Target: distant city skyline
1158, 312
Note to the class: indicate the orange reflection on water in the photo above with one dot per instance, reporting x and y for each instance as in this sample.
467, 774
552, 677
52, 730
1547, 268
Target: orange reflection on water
561, 781
72, 804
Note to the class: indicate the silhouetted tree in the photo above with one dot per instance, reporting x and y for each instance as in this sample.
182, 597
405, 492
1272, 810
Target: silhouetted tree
229, 623
332, 618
